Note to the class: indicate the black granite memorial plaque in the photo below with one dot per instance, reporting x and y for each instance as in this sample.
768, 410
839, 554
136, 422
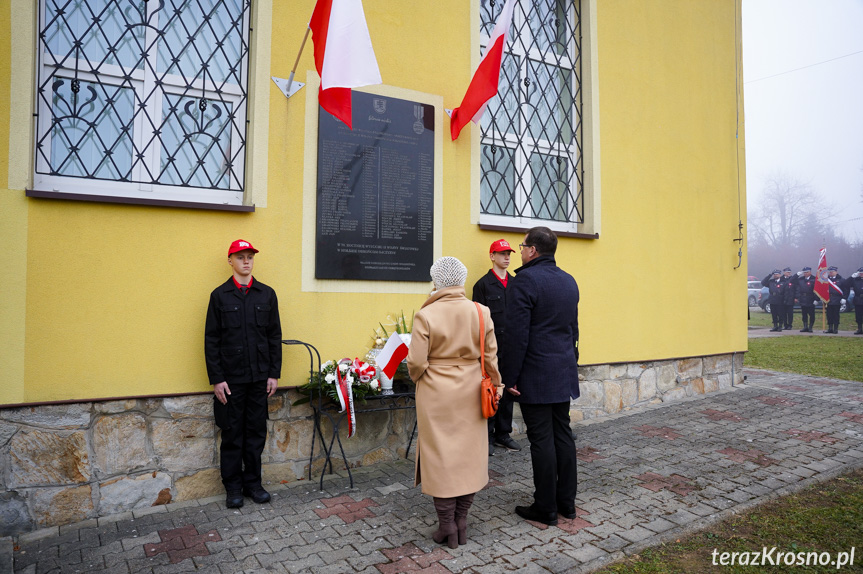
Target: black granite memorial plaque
375, 191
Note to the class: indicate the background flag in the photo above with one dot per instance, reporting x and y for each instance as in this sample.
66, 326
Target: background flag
344, 57
391, 355
823, 283
483, 85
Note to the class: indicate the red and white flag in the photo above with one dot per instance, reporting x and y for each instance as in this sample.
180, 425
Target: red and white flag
823, 283
344, 57
483, 85
391, 355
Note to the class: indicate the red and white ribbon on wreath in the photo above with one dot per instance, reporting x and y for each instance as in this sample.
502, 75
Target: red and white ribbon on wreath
364, 371
346, 395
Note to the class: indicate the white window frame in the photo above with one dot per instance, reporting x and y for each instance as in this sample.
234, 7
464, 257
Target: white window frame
521, 157
142, 81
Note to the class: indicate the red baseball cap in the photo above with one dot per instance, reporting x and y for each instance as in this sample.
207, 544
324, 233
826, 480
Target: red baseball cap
500, 245
240, 245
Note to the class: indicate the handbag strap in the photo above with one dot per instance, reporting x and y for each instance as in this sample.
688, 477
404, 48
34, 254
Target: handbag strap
481, 339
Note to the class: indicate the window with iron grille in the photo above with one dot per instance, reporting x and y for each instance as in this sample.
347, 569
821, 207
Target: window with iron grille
531, 160
143, 99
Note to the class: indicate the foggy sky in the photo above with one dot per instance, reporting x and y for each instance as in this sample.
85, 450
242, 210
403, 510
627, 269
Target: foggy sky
808, 122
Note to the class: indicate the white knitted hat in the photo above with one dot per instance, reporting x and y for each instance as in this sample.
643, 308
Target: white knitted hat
448, 272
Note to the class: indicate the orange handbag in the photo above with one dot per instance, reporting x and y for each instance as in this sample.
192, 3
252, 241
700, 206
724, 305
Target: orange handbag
488, 394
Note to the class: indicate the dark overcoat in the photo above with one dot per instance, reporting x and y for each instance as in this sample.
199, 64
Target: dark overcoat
542, 331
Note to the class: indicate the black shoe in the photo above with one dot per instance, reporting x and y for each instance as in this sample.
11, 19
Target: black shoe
491, 449
507, 443
803, 330
775, 328
859, 331
568, 512
528, 513
234, 499
258, 494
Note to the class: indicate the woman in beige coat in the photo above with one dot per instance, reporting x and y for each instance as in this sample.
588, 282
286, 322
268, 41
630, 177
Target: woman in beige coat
444, 361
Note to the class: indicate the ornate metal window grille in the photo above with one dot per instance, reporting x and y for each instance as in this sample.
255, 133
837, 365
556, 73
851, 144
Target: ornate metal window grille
531, 160
146, 92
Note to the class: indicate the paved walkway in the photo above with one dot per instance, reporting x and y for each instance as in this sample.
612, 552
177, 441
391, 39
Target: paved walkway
644, 478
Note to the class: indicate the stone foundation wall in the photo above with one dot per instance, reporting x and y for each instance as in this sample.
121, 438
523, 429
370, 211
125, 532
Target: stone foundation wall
65, 463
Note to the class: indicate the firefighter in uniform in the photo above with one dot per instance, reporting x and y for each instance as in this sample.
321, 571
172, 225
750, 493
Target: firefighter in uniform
804, 290
788, 297
835, 301
856, 282
774, 282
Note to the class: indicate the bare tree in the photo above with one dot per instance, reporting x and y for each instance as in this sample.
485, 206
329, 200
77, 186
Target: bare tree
789, 211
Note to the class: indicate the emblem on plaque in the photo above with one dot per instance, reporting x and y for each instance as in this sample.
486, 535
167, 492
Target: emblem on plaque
380, 105
419, 112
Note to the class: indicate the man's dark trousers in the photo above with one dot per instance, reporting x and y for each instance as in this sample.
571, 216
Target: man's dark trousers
500, 425
777, 310
789, 315
808, 313
552, 453
243, 443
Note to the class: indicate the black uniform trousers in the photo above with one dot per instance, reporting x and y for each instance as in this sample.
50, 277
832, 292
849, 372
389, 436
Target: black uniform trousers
833, 315
808, 313
858, 314
789, 315
500, 425
777, 310
244, 432
552, 454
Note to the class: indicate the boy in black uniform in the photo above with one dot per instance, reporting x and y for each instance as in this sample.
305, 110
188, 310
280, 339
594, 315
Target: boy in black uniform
490, 291
243, 350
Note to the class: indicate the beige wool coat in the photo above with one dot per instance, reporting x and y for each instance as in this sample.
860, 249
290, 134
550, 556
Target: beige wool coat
452, 444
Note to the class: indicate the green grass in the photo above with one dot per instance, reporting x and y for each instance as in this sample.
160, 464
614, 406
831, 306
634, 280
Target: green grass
826, 517
834, 357
758, 318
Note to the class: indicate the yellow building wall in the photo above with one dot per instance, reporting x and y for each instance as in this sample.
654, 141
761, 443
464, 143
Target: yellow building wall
109, 300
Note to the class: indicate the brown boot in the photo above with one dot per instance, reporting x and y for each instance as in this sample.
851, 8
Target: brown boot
445, 508
462, 505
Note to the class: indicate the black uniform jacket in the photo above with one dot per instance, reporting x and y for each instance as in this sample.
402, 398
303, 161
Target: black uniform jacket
804, 290
855, 283
790, 287
777, 288
489, 291
836, 296
243, 334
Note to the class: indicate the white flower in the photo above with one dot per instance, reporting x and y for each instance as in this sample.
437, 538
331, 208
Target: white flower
375, 384
343, 367
326, 365
331, 378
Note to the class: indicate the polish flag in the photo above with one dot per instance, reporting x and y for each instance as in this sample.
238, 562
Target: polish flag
483, 85
391, 355
344, 57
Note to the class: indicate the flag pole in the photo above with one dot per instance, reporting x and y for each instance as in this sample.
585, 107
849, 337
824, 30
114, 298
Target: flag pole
289, 87
297, 62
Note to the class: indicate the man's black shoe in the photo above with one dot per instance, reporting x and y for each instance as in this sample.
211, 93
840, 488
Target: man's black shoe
528, 513
568, 513
775, 328
258, 494
234, 500
507, 443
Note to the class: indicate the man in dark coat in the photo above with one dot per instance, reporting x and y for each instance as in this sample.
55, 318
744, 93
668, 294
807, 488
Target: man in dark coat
834, 287
856, 282
788, 297
776, 298
490, 291
540, 368
243, 350
805, 293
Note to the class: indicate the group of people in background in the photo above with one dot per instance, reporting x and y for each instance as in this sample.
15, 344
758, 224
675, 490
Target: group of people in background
786, 287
